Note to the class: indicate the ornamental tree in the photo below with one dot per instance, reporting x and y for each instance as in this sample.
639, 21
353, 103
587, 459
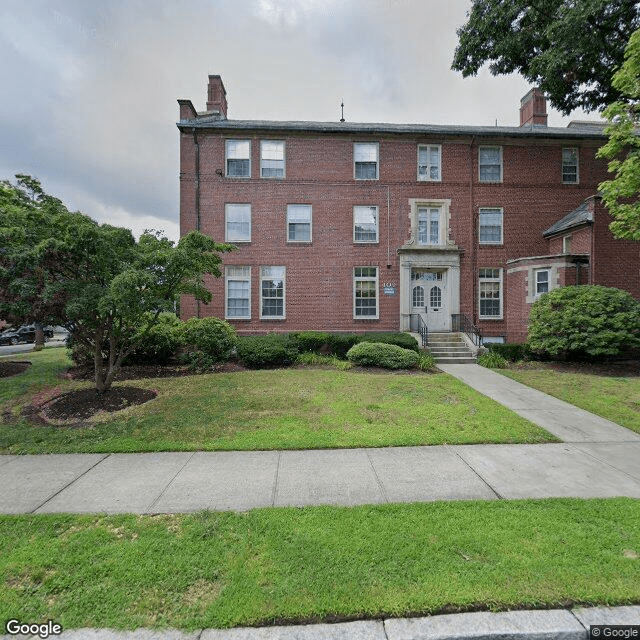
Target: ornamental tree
567, 48
621, 195
95, 280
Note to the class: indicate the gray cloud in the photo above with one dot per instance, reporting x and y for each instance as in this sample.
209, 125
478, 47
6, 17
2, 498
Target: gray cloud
89, 104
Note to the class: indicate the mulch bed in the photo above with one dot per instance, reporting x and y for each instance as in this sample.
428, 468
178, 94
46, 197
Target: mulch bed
9, 368
75, 407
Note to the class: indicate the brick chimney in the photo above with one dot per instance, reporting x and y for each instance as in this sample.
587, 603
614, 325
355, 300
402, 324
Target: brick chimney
533, 109
216, 96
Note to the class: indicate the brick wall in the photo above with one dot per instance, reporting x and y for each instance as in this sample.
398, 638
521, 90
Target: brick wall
319, 171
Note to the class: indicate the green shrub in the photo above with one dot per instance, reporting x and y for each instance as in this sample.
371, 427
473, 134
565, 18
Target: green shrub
377, 354
511, 352
310, 340
157, 344
340, 343
267, 351
492, 360
308, 357
403, 340
584, 322
426, 362
207, 341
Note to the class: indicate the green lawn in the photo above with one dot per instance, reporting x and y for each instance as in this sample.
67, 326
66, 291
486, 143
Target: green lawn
617, 399
319, 563
301, 408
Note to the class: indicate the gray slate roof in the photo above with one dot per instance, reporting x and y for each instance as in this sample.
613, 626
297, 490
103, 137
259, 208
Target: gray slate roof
214, 121
578, 216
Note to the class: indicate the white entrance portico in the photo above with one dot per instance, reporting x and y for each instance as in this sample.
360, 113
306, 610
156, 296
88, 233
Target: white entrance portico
429, 268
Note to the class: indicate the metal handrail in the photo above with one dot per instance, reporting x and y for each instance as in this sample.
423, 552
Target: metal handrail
422, 329
461, 323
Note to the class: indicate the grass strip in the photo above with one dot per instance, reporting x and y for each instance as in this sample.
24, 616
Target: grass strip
614, 398
296, 408
223, 569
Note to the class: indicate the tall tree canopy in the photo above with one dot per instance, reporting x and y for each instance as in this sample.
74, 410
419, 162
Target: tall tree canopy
568, 48
95, 280
621, 195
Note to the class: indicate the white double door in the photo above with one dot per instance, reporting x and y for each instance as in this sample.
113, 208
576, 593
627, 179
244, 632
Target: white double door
429, 297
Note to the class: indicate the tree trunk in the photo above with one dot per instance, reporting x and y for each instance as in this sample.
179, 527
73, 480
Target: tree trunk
39, 339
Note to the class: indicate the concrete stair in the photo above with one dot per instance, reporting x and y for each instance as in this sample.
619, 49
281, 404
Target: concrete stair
449, 348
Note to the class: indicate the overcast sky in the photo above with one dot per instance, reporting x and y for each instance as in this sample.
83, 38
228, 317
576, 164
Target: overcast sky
89, 88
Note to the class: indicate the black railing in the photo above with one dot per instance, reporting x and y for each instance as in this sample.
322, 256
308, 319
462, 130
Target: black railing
418, 325
460, 322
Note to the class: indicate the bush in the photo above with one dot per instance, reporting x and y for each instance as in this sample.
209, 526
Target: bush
267, 351
426, 362
308, 357
492, 360
207, 341
310, 340
584, 322
340, 343
378, 354
511, 352
403, 340
158, 344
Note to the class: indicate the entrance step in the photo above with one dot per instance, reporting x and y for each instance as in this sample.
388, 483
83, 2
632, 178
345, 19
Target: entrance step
449, 348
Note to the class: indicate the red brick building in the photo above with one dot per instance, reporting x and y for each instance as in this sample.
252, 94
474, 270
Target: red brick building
355, 227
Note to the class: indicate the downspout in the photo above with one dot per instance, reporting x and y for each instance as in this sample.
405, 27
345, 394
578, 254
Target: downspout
197, 194
472, 252
388, 228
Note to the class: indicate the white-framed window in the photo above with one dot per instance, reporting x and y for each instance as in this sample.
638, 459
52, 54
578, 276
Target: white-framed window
543, 277
237, 292
429, 162
272, 292
238, 158
430, 225
490, 293
570, 165
490, 164
566, 244
490, 221
272, 159
365, 224
237, 222
365, 293
299, 222
365, 160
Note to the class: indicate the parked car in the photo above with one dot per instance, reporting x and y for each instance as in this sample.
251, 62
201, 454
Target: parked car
24, 334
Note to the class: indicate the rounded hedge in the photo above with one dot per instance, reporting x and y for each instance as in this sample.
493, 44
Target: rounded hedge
207, 340
267, 351
377, 354
585, 321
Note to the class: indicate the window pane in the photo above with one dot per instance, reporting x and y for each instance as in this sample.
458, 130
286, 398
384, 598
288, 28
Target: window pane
238, 149
365, 152
366, 272
273, 168
299, 232
491, 226
238, 168
238, 222
238, 298
272, 150
435, 297
366, 170
418, 296
490, 164
365, 224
